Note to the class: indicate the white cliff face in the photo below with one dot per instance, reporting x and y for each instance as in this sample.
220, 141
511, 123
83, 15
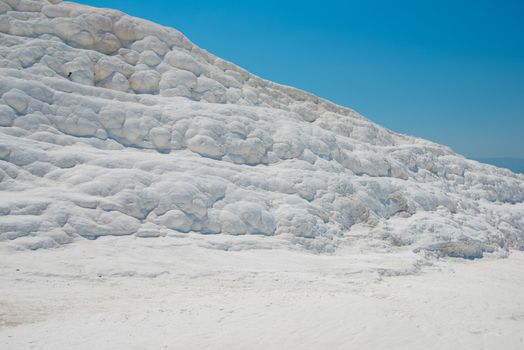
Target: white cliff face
112, 125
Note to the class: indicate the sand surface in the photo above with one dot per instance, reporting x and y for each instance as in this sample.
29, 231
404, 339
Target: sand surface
163, 294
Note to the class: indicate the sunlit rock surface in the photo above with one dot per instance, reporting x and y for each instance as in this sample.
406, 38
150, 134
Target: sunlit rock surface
112, 125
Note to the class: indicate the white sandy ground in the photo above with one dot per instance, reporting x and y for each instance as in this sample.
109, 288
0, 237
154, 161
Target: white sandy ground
165, 293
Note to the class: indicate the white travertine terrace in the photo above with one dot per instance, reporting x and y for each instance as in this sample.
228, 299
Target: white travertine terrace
112, 125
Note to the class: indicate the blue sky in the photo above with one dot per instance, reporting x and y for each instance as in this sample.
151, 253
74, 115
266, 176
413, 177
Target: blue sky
448, 71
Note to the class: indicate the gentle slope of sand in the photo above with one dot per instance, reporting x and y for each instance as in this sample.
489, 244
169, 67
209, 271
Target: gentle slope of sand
127, 295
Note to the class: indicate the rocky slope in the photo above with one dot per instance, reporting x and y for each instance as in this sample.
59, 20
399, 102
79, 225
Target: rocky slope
112, 125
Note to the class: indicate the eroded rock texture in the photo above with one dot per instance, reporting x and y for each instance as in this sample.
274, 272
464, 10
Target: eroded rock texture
112, 125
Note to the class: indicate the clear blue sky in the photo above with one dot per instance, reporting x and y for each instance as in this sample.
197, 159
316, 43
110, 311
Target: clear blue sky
449, 71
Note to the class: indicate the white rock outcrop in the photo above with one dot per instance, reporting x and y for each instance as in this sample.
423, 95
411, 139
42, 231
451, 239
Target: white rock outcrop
112, 125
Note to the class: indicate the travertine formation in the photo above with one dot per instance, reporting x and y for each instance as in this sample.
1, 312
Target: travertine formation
112, 125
